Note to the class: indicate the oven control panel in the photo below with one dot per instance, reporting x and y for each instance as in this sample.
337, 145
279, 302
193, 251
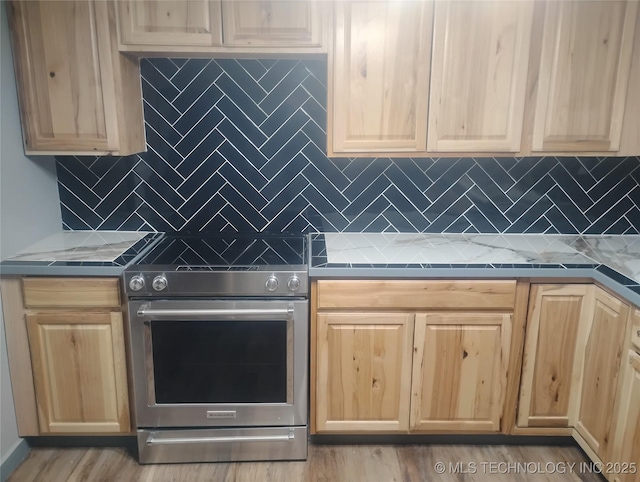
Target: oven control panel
137, 283
285, 283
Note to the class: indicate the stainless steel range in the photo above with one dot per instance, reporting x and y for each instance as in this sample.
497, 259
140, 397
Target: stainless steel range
219, 348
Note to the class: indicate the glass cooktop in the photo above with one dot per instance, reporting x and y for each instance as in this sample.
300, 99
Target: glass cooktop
227, 250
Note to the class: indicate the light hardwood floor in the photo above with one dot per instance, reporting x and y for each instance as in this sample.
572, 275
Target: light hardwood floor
335, 463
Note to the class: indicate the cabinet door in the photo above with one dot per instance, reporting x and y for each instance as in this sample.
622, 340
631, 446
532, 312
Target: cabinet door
584, 72
459, 371
479, 75
625, 446
552, 366
170, 22
379, 85
77, 95
606, 330
364, 371
265, 23
635, 329
58, 67
79, 372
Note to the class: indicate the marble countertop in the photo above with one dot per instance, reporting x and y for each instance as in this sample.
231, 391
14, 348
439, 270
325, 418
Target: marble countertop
613, 260
620, 253
81, 253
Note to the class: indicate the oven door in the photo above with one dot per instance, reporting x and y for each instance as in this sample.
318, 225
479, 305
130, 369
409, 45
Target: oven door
219, 363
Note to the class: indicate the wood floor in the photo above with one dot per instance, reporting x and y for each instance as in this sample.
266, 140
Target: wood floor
335, 463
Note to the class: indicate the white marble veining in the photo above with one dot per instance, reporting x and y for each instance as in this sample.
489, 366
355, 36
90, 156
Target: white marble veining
619, 252
104, 246
407, 248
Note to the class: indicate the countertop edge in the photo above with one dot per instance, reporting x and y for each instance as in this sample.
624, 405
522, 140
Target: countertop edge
90, 271
454, 272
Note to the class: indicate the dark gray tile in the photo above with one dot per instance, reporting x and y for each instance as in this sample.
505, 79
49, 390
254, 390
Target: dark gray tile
240, 144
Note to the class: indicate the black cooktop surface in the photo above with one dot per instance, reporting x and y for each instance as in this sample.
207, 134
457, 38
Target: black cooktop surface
232, 250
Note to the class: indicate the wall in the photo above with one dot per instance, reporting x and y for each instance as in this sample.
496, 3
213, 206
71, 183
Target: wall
29, 210
239, 145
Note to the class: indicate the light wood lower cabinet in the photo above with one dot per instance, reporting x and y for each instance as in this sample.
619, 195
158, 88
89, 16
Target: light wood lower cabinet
416, 295
459, 371
635, 329
71, 292
625, 442
572, 358
552, 366
574, 341
386, 359
67, 357
606, 330
79, 372
364, 371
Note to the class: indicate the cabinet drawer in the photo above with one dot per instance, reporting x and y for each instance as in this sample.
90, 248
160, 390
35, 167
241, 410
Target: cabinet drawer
416, 294
71, 292
635, 329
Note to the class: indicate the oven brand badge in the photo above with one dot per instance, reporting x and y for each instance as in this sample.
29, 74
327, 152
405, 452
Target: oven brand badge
221, 414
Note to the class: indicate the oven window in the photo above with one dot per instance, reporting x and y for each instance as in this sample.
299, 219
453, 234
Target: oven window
219, 361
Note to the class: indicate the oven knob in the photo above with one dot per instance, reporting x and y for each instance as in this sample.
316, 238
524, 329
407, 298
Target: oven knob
294, 283
159, 283
136, 283
272, 283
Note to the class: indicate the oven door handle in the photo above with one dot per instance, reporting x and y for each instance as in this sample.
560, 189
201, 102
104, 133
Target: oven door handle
240, 438
145, 311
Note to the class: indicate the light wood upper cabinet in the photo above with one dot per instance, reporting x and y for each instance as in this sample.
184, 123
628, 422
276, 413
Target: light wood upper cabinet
491, 77
625, 444
79, 372
363, 371
479, 75
175, 22
379, 77
266, 23
552, 365
226, 28
77, 94
584, 74
606, 330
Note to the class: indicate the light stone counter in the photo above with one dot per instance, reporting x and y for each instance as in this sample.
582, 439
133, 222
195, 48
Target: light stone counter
403, 248
81, 253
620, 253
611, 260
80, 246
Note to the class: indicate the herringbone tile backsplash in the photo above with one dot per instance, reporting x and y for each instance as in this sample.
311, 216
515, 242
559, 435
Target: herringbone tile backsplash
239, 145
